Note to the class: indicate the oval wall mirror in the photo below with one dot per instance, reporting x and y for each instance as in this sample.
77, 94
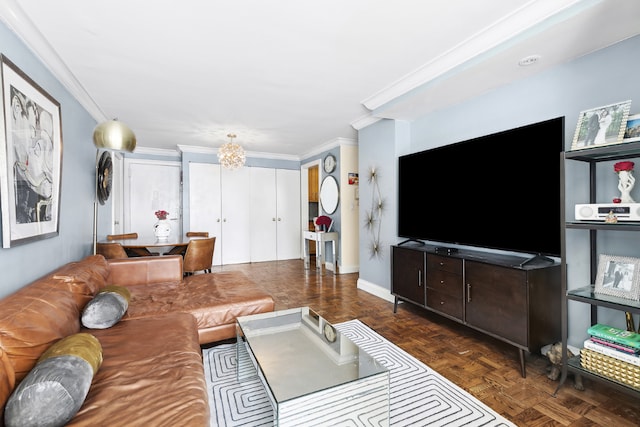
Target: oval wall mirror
329, 194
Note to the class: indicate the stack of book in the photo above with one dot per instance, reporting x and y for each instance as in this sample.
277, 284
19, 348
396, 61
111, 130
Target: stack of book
613, 353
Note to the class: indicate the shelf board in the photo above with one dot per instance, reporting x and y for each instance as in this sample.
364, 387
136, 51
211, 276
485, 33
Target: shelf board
573, 364
587, 295
601, 225
625, 150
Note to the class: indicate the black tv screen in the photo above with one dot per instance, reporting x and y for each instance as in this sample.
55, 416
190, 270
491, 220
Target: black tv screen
500, 191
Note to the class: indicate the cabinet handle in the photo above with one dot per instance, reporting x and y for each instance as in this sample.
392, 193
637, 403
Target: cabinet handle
218, 220
419, 278
273, 219
442, 282
441, 302
468, 292
441, 263
279, 219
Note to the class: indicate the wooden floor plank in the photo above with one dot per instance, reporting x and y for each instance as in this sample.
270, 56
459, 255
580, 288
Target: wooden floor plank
483, 366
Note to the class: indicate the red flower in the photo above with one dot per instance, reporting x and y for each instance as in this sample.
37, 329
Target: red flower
623, 166
162, 214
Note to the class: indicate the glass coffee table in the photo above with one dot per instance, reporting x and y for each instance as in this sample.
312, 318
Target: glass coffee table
313, 375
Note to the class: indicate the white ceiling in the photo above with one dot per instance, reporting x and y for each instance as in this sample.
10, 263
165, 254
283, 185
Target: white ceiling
291, 77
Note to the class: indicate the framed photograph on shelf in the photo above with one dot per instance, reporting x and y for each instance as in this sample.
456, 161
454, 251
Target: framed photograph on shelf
618, 276
601, 126
632, 130
30, 159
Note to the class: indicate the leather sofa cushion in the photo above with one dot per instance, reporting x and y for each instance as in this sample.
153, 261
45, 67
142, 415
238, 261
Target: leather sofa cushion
152, 368
213, 299
131, 272
32, 319
83, 278
7, 381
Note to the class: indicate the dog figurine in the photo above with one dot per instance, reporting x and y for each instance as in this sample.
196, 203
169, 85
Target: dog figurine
554, 354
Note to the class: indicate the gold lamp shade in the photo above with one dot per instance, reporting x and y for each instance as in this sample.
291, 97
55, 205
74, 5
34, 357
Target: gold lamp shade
114, 135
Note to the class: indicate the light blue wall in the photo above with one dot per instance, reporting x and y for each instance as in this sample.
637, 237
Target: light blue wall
21, 264
377, 151
601, 78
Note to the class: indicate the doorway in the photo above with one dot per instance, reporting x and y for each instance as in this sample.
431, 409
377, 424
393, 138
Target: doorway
150, 186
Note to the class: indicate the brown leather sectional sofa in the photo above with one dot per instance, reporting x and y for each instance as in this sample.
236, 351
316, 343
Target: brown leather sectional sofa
152, 369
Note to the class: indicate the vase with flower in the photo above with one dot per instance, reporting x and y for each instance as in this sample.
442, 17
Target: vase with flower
626, 181
162, 228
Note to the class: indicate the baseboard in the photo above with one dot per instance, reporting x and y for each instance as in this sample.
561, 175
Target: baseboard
346, 269
375, 290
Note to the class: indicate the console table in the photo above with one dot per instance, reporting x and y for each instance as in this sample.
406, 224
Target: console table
494, 294
320, 237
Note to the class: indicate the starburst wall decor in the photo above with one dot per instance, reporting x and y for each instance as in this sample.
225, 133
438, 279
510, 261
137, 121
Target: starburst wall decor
373, 217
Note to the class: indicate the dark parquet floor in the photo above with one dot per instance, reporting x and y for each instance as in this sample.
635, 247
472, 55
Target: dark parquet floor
481, 365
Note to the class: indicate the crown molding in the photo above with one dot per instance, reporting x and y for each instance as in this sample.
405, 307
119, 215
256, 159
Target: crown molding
15, 18
364, 121
510, 26
335, 142
156, 151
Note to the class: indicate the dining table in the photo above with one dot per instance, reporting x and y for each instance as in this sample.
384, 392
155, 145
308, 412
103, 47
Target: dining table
150, 242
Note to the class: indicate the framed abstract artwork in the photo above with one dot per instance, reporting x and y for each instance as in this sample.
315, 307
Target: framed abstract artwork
30, 159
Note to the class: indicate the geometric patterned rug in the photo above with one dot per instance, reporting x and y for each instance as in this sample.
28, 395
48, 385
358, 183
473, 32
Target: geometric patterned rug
419, 396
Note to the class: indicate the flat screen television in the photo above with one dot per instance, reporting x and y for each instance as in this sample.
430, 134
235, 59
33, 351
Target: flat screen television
499, 191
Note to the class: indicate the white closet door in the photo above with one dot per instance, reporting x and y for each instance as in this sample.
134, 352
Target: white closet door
219, 204
289, 235
205, 203
236, 215
263, 214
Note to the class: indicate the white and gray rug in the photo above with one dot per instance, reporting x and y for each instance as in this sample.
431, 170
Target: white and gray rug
418, 395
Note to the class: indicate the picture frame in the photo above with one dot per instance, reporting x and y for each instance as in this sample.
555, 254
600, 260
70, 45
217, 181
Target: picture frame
632, 129
30, 159
601, 126
353, 178
618, 276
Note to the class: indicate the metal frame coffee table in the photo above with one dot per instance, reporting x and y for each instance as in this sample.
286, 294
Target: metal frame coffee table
313, 375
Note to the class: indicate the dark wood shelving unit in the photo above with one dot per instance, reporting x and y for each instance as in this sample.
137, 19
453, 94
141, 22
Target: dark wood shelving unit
586, 294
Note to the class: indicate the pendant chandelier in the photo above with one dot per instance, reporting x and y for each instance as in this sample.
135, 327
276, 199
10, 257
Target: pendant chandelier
231, 155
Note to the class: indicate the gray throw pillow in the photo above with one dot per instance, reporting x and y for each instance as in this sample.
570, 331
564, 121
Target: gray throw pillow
55, 389
106, 308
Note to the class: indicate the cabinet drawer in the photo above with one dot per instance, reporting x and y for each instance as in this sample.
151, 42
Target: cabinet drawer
444, 303
443, 263
445, 282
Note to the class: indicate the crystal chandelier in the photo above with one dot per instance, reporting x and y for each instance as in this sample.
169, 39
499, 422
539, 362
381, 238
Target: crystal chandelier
231, 155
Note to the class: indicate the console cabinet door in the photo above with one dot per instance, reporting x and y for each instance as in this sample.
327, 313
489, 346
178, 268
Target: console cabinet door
496, 301
408, 278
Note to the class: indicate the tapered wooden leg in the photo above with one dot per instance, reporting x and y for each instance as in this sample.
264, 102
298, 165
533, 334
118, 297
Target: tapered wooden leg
523, 368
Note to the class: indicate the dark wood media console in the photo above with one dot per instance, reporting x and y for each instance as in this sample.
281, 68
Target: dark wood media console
492, 293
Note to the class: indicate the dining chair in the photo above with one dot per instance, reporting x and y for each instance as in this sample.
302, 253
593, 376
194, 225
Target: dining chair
122, 236
132, 252
111, 250
180, 250
197, 234
199, 256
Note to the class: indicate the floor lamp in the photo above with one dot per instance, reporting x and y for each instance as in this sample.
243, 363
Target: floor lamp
111, 135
